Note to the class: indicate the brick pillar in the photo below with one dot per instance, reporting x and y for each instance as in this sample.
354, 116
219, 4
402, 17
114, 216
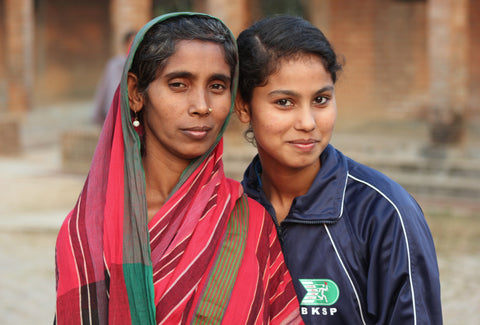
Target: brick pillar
352, 36
474, 62
19, 54
235, 14
3, 78
127, 15
318, 13
448, 48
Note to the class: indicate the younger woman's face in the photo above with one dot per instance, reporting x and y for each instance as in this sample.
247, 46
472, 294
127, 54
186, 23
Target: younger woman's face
178, 123
293, 115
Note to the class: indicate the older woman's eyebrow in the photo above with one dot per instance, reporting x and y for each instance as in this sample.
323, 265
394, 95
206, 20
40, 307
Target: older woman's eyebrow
179, 74
187, 74
222, 77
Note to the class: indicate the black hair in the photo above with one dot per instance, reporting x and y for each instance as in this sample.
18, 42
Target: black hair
262, 46
159, 42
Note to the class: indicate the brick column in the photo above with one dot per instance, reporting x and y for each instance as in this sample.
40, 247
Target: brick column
448, 48
19, 54
318, 13
3, 77
235, 14
127, 15
353, 35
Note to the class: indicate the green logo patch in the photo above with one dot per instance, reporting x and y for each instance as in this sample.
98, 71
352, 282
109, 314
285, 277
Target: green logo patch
320, 292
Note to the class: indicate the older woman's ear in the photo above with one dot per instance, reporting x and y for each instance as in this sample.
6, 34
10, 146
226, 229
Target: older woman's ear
242, 109
135, 98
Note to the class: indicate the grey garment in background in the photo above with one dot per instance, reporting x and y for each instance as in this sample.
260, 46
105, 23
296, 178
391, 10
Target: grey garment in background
106, 87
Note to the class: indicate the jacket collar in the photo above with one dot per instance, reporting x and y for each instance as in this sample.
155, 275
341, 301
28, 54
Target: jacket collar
323, 203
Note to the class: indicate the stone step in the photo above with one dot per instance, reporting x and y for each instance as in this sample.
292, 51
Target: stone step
455, 178
438, 185
435, 167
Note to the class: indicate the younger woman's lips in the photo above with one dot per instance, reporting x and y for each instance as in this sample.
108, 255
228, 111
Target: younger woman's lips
304, 145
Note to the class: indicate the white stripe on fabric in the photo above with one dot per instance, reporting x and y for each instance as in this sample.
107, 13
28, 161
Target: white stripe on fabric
172, 285
171, 260
406, 242
346, 272
84, 265
180, 199
166, 319
343, 197
108, 272
78, 271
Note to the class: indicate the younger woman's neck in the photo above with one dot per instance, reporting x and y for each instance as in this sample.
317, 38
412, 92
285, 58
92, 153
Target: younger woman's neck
283, 185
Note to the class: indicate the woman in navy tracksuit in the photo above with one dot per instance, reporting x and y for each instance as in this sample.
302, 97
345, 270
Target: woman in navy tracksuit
356, 243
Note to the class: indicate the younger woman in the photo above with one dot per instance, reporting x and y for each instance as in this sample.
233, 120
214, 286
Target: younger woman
356, 243
159, 235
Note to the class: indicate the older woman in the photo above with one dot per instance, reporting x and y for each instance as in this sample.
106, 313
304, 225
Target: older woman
159, 235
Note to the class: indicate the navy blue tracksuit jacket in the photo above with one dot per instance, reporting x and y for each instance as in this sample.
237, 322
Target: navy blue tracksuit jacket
357, 246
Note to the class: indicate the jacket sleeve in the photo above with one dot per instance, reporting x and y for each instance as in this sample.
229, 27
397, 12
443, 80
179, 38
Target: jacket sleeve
403, 278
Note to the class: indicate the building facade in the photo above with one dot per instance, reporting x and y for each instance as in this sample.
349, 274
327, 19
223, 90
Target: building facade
403, 58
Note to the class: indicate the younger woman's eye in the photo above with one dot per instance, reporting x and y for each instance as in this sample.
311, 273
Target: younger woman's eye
284, 102
321, 100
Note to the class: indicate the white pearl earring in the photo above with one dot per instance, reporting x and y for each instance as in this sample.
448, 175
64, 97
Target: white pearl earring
136, 122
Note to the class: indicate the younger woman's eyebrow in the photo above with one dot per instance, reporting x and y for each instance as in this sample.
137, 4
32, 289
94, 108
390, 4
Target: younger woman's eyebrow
283, 92
294, 93
326, 88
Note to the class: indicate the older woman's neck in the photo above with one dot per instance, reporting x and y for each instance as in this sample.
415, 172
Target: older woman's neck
161, 176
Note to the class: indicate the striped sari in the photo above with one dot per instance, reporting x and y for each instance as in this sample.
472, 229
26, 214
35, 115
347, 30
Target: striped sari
209, 256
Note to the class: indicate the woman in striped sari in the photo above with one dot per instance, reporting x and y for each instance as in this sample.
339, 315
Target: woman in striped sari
159, 235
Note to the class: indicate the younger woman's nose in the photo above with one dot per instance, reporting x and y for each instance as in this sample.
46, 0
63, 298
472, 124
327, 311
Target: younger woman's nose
305, 120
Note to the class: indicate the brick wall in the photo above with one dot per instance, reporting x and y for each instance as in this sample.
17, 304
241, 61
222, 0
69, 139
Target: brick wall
18, 20
72, 45
384, 44
401, 67
351, 31
126, 15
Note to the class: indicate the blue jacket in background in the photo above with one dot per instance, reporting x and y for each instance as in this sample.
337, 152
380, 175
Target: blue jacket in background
357, 246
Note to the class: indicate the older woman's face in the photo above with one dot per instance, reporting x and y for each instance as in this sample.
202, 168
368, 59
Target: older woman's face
188, 102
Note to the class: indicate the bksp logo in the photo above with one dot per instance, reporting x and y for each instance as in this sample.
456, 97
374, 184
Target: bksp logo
320, 292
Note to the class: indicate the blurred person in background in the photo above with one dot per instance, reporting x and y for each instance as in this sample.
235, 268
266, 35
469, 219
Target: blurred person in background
355, 242
159, 234
110, 80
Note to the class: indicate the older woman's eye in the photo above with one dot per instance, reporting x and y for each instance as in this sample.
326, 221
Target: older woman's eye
177, 85
218, 86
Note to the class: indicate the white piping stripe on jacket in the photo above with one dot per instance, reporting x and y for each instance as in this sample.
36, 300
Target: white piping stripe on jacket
406, 242
346, 272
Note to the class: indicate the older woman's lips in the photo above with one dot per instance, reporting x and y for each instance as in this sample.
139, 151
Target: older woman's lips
197, 133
